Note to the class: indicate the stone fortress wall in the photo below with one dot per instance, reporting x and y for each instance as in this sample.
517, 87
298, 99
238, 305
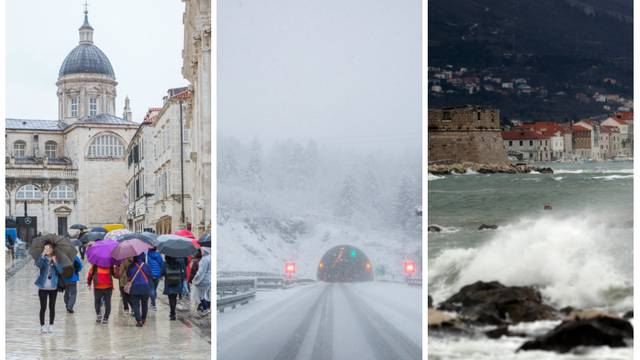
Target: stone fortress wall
466, 134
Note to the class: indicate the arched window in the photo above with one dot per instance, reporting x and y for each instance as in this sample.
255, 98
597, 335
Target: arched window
106, 146
62, 192
29, 192
20, 148
51, 149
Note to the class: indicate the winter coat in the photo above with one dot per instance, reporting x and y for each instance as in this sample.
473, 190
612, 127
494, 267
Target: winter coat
141, 283
43, 263
203, 276
155, 262
77, 267
174, 264
122, 272
100, 277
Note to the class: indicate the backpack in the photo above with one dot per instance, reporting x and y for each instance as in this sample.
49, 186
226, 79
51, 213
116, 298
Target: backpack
173, 276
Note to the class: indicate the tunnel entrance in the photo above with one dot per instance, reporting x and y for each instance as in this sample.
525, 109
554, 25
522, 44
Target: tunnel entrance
345, 263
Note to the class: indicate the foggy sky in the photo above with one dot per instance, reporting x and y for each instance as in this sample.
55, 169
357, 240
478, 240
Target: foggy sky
142, 39
333, 70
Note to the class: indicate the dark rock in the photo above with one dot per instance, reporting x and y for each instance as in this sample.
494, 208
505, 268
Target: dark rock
501, 331
567, 310
628, 315
488, 227
496, 304
430, 299
545, 170
439, 321
433, 228
595, 331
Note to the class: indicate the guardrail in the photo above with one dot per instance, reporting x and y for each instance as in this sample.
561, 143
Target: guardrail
414, 281
234, 292
269, 282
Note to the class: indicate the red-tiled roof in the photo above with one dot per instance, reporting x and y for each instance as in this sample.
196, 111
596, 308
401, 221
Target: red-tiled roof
609, 129
523, 134
624, 115
578, 127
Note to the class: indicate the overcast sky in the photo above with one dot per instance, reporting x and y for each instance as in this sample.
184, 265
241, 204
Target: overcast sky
142, 38
334, 70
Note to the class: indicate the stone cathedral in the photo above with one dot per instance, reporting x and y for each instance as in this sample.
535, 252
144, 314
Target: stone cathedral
71, 170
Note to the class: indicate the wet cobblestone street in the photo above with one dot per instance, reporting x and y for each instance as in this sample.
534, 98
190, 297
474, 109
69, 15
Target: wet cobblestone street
78, 336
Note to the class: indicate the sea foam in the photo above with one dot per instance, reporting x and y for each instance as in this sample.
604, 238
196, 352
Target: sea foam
572, 259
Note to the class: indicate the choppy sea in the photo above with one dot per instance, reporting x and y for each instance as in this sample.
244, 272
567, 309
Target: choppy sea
578, 254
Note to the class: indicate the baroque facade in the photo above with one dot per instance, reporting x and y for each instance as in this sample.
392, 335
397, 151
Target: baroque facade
157, 184
70, 170
196, 68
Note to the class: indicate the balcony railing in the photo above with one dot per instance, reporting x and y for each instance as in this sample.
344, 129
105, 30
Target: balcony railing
44, 173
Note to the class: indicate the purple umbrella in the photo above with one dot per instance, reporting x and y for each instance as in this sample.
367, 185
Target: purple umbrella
100, 253
130, 248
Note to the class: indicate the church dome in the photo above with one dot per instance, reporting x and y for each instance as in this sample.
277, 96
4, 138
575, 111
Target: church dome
86, 58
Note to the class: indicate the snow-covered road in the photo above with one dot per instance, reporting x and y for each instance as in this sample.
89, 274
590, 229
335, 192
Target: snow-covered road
372, 320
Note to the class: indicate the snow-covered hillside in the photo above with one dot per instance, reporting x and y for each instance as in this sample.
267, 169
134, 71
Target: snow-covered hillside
296, 201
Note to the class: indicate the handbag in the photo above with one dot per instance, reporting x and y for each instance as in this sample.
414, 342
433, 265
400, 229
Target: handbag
127, 286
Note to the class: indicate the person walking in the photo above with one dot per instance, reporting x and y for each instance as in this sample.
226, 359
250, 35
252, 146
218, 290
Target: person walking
202, 281
11, 246
71, 285
122, 281
47, 283
174, 275
102, 280
139, 288
155, 262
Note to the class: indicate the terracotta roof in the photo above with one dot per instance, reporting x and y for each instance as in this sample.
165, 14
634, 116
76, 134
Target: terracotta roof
609, 129
624, 115
523, 134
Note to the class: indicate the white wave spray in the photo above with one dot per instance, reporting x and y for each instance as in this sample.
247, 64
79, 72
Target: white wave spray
573, 260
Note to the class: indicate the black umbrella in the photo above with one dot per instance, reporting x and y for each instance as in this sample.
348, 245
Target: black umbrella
175, 246
205, 240
147, 237
78, 227
99, 229
76, 242
63, 248
91, 236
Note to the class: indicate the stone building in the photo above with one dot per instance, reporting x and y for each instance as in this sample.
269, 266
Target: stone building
70, 170
139, 183
468, 133
582, 141
527, 144
196, 68
173, 181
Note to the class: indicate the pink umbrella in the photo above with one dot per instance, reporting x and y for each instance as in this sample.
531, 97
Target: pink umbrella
130, 248
100, 253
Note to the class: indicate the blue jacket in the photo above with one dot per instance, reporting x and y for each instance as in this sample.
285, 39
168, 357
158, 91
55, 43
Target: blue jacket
77, 267
141, 283
42, 263
169, 290
154, 259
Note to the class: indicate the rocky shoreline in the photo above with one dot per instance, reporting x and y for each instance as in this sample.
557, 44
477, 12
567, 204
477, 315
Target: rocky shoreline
465, 167
483, 304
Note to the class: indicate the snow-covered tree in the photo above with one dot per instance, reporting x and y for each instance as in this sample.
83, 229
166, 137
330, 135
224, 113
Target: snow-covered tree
253, 174
347, 201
